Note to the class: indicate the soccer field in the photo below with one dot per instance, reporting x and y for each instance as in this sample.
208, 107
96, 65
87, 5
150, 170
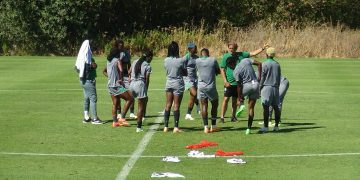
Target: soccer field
42, 135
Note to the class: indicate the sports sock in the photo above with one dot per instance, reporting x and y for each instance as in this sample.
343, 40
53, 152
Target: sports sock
189, 110
266, 115
176, 117
213, 121
205, 121
166, 118
115, 119
250, 121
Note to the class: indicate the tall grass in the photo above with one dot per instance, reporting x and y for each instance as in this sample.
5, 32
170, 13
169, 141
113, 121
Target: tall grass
310, 41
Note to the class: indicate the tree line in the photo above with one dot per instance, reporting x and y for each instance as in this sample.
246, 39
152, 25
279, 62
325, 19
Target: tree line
42, 27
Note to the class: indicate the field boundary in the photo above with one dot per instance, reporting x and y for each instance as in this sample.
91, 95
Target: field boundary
139, 150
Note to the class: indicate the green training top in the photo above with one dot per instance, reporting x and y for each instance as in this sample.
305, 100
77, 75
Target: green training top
228, 71
92, 74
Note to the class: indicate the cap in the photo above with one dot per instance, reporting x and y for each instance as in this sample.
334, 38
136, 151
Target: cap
191, 45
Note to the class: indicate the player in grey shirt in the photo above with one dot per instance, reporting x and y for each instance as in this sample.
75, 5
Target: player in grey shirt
116, 86
140, 78
208, 68
269, 86
125, 62
175, 68
191, 79
247, 86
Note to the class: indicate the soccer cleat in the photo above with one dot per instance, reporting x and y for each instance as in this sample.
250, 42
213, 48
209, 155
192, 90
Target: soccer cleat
166, 129
132, 116
264, 130
222, 120
189, 117
215, 129
247, 132
177, 130
116, 124
206, 130
276, 129
138, 130
97, 121
86, 120
233, 119
123, 122
240, 110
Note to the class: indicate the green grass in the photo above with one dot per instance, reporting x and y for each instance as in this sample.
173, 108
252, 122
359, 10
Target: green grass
41, 112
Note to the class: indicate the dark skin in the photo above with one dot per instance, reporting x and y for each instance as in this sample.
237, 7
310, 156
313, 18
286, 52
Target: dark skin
192, 90
142, 102
251, 102
204, 102
116, 99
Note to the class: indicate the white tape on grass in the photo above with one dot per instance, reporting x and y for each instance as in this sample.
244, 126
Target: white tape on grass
139, 150
157, 156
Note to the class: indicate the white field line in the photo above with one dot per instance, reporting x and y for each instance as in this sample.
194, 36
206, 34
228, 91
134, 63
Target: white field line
139, 150
49, 90
157, 156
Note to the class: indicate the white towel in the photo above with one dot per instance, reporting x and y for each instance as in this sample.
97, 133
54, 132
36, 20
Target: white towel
84, 56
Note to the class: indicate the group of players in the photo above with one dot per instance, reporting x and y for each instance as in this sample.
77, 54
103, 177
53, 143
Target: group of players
194, 73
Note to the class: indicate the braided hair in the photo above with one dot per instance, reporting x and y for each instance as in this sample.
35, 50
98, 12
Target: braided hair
145, 54
173, 49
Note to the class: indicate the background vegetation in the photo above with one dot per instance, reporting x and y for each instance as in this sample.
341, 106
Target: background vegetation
325, 28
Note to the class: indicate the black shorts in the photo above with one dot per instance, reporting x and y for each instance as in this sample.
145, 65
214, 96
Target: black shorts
231, 91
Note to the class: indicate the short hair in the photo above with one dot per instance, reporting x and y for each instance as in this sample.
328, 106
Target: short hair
232, 43
206, 51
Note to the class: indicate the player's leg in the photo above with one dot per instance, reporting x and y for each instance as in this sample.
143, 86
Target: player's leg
204, 113
224, 107
214, 108
93, 103
129, 100
86, 103
233, 108
140, 113
115, 104
192, 100
251, 114
177, 102
169, 102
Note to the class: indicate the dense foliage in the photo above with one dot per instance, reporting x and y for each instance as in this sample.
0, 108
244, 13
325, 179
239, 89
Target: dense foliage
58, 27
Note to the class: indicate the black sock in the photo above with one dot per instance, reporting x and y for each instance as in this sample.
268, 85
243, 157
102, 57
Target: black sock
213, 121
277, 116
266, 115
139, 123
189, 110
115, 119
166, 118
250, 121
176, 118
123, 115
205, 120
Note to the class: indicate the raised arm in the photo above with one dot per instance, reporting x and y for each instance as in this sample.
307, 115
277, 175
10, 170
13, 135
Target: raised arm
259, 65
258, 51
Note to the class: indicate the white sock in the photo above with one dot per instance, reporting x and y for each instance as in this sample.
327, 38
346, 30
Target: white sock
205, 127
86, 115
213, 126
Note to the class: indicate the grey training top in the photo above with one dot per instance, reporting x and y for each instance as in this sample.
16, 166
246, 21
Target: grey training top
244, 71
190, 67
206, 67
145, 70
173, 67
270, 73
113, 72
125, 59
